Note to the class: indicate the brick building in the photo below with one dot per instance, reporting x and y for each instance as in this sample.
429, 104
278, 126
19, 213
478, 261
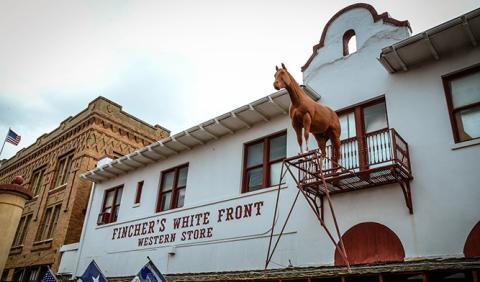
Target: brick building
51, 169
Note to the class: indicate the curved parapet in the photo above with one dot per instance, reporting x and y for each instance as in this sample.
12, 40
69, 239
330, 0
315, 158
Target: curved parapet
361, 20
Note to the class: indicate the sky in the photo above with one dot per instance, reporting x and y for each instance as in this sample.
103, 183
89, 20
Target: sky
174, 63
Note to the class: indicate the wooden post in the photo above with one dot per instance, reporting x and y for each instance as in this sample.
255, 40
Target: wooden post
380, 277
360, 132
424, 277
343, 279
475, 276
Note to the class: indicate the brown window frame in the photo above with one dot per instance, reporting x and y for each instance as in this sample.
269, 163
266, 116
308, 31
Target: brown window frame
49, 222
138, 194
35, 186
111, 217
266, 160
175, 188
446, 79
360, 132
62, 173
346, 39
22, 230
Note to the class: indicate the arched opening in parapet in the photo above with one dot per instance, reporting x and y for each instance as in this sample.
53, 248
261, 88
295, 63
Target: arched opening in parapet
371, 242
349, 42
472, 244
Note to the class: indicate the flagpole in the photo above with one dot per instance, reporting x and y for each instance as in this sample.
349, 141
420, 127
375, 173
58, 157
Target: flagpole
3, 145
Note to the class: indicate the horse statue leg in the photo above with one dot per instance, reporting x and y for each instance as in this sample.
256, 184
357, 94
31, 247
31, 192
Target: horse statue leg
335, 137
298, 132
307, 122
322, 144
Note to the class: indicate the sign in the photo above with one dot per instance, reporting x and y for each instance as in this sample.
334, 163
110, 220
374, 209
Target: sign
214, 222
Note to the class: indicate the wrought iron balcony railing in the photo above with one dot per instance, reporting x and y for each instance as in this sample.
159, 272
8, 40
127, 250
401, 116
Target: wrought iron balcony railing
375, 159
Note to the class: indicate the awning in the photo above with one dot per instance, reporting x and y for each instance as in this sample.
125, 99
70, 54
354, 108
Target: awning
461, 33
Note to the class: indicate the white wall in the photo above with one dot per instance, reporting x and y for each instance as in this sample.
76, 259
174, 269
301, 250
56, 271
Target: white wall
445, 194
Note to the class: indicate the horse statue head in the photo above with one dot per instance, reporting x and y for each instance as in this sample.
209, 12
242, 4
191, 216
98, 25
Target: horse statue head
282, 78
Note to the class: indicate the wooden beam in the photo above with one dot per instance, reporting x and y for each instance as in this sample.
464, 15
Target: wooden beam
246, 124
208, 132
224, 126
257, 112
402, 63
277, 105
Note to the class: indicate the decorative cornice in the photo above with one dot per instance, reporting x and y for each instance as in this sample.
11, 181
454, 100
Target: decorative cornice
376, 17
100, 108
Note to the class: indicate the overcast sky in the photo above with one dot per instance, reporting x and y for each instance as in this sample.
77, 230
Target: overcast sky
173, 63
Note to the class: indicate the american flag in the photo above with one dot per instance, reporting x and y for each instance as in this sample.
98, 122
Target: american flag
49, 276
13, 137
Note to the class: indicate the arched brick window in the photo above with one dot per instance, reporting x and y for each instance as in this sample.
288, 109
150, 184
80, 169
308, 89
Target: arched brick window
370, 242
472, 244
349, 42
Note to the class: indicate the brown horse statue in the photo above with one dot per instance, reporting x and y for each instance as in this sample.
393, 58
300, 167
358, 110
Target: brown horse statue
313, 117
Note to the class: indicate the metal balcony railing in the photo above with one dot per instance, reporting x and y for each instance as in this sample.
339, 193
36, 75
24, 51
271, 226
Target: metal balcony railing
374, 150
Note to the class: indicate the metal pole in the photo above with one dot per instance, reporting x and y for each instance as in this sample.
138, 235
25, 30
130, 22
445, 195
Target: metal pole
3, 145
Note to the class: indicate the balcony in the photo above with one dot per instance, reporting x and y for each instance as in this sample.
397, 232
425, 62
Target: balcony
378, 158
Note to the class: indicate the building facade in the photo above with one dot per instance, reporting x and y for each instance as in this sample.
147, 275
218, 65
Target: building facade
51, 169
202, 203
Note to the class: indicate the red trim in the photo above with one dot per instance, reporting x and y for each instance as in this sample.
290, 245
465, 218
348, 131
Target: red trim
376, 17
173, 191
346, 38
138, 195
114, 206
472, 244
16, 189
266, 159
446, 79
371, 242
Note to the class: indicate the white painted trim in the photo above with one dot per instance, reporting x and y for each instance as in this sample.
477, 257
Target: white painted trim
465, 144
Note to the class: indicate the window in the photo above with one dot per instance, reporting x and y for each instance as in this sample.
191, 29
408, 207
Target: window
48, 223
64, 165
463, 99
138, 195
111, 205
263, 162
22, 230
173, 185
349, 42
37, 180
360, 125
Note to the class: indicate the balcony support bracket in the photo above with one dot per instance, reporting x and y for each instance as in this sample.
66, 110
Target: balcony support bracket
405, 185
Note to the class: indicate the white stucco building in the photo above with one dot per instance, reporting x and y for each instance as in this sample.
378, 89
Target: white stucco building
200, 203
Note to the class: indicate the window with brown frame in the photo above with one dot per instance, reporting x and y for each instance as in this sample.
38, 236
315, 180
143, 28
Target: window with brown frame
262, 161
111, 205
48, 223
21, 230
138, 195
64, 165
36, 181
462, 90
349, 42
173, 185
356, 123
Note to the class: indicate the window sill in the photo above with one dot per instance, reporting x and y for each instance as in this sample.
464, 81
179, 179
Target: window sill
465, 144
136, 205
16, 250
57, 189
32, 200
282, 185
42, 245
